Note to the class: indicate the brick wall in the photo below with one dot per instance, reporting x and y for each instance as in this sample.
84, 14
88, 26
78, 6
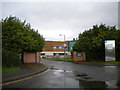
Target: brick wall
31, 57
50, 44
82, 58
38, 57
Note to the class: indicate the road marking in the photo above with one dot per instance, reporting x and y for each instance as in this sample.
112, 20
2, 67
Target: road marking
41, 73
15, 81
29, 77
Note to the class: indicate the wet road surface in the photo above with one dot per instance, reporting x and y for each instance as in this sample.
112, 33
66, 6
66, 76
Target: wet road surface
71, 75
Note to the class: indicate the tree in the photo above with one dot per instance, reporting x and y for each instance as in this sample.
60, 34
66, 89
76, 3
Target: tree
92, 41
17, 36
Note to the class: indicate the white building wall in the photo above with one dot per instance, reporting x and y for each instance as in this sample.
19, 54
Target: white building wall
51, 53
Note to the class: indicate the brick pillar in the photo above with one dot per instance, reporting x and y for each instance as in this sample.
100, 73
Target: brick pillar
29, 57
84, 56
37, 57
81, 58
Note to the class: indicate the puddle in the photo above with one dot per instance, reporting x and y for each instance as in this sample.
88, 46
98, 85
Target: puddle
87, 82
58, 70
92, 84
99, 84
71, 83
69, 71
82, 80
60, 62
118, 84
81, 75
110, 68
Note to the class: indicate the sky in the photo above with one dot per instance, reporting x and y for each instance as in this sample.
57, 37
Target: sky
66, 18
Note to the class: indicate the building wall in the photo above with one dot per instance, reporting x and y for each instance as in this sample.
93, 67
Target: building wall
52, 54
54, 49
50, 46
31, 57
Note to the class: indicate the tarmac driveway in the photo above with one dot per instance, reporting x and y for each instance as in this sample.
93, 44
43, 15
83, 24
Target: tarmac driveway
71, 75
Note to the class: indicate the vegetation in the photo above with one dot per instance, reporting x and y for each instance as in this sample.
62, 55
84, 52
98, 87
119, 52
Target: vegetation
92, 41
17, 37
10, 59
61, 59
93, 62
99, 62
111, 62
7, 69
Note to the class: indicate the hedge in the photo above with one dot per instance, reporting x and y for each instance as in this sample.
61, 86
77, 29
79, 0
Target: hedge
10, 59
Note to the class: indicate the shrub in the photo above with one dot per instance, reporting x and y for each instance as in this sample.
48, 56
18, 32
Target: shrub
10, 59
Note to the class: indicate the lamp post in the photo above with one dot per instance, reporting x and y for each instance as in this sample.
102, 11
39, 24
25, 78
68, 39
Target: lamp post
64, 46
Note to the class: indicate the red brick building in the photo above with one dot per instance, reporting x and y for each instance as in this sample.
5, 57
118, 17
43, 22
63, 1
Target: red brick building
55, 49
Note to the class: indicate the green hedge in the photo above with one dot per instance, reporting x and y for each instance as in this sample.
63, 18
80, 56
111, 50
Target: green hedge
94, 55
10, 59
61, 59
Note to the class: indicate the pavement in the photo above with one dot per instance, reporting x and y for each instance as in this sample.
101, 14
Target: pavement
26, 70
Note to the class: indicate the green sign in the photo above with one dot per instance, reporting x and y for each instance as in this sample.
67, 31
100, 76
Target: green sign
71, 44
79, 54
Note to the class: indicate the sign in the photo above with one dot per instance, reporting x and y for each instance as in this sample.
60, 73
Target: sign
71, 44
109, 50
79, 54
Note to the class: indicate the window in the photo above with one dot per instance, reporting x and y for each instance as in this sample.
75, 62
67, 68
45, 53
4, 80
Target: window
61, 53
42, 53
55, 47
60, 47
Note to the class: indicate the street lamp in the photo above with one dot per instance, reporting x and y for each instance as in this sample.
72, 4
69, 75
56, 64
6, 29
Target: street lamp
64, 58
64, 44
64, 49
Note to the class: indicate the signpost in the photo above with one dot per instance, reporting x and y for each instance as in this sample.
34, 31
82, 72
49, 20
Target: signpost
109, 50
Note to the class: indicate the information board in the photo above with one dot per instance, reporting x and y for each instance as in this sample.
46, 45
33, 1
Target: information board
79, 54
109, 50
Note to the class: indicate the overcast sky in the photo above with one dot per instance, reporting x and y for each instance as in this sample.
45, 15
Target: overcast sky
70, 18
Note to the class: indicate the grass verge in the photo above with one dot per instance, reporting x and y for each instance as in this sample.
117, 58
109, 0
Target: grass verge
70, 59
9, 69
111, 62
61, 59
100, 62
